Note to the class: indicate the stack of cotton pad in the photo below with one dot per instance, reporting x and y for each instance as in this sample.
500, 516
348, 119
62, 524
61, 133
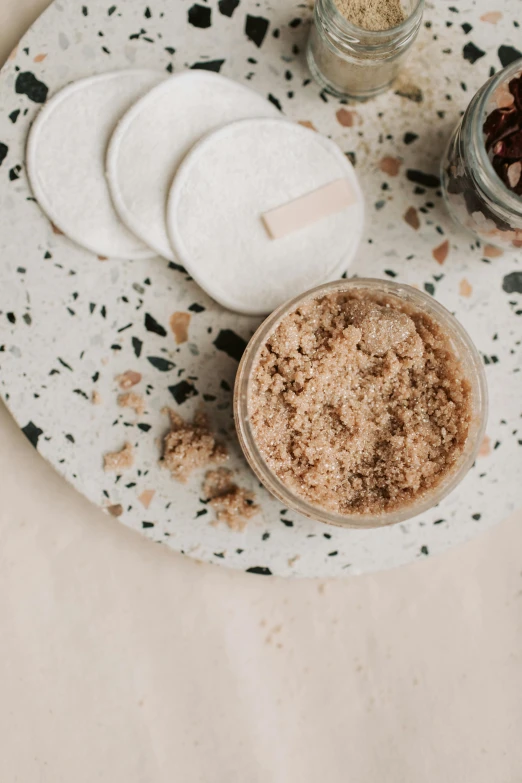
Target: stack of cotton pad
198, 168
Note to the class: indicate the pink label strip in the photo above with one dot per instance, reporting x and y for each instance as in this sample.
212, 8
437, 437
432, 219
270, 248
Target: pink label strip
308, 209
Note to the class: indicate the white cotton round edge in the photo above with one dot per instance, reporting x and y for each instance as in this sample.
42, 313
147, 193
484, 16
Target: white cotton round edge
65, 158
154, 136
223, 187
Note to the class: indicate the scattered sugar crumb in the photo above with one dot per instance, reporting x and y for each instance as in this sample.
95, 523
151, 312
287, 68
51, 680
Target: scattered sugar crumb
146, 497
133, 401
292, 560
128, 379
188, 446
116, 510
96, 398
179, 324
119, 460
232, 504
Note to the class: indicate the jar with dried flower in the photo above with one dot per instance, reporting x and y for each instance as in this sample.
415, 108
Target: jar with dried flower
482, 167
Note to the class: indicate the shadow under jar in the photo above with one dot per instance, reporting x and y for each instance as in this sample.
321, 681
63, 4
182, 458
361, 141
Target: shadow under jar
365, 404
351, 62
475, 195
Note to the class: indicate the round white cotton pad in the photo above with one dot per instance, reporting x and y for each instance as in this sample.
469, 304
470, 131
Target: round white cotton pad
229, 181
66, 160
155, 135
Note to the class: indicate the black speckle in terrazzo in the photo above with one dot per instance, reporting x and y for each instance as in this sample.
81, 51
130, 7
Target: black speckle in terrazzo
287, 522
410, 137
64, 364
151, 325
196, 308
466, 27
14, 173
183, 391
175, 266
200, 16
137, 345
27, 84
275, 101
144, 427
472, 53
147, 13
14, 115
161, 364
85, 10
419, 177
256, 28
147, 524
32, 433
262, 570
11, 317
439, 521
207, 65
227, 7
508, 55
111, 10
70, 437
476, 517
512, 283
424, 550
201, 513
230, 343
4, 149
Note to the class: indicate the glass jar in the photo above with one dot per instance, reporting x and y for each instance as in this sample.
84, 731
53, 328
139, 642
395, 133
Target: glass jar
350, 62
464, 350
475, 195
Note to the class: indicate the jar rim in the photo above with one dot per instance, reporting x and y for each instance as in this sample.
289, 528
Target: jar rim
411, 21
510, 199
474, 369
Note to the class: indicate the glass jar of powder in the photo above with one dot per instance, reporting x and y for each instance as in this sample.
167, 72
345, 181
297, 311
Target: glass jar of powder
352, 62
482, 167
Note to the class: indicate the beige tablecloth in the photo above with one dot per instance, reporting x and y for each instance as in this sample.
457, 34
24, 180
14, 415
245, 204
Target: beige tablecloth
122, 662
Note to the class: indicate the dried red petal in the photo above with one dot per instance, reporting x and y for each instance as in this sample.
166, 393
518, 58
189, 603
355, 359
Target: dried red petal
513, 146
515, 88
500, 123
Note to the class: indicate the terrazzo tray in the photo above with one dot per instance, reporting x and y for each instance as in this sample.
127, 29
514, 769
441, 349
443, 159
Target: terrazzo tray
70, 322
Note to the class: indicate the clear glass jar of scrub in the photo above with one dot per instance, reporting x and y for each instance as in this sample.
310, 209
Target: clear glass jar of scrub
351, 62
397, 295
475, 195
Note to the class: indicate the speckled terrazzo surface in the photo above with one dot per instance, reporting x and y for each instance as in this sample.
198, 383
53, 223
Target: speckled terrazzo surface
70, 322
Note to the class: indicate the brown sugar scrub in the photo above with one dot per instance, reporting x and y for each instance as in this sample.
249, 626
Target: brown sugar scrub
232, 504
358, 404
190, 445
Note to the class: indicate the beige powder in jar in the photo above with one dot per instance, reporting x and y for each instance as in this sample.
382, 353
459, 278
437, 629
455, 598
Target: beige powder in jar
374, 15
358, 404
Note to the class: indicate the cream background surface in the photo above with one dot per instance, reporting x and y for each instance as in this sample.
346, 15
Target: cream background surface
121, 661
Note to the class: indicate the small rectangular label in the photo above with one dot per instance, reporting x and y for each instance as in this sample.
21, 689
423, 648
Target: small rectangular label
308, 209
